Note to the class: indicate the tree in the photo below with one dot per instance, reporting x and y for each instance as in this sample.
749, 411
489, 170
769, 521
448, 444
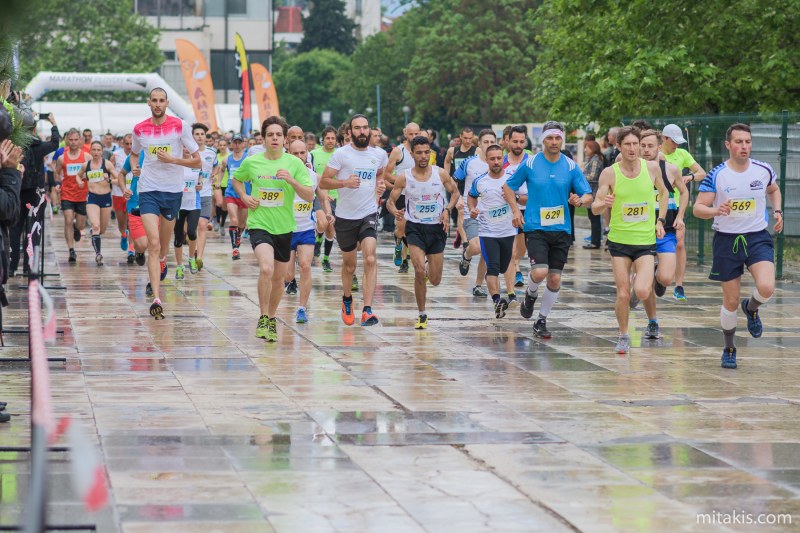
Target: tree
97, 36
609, 60
471, 62
327, 27
305, 88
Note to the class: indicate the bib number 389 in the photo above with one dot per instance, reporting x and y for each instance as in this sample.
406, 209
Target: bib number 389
270, 197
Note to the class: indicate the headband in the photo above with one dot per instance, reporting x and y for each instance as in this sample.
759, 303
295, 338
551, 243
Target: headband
553, 131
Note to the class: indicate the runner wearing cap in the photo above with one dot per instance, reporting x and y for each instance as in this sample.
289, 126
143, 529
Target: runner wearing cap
672, 137
735, 196
237, 209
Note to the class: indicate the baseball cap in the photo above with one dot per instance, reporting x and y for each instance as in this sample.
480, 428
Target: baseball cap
673, 132
237, 137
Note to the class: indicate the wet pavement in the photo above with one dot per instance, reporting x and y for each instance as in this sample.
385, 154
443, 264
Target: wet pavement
471, 425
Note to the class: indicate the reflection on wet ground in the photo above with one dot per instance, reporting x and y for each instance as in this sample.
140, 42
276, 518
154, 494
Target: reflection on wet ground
471, 425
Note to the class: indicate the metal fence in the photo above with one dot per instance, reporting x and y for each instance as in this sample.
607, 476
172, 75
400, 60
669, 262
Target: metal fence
776, 140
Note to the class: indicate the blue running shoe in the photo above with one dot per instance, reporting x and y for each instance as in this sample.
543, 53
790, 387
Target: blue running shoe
729, 358
163, 270
398, 254
301, 317
519, 281
123, 242
753, 321
678, 294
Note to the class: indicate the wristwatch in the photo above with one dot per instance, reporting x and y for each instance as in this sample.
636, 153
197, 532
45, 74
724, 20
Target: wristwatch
662, 220
777, 212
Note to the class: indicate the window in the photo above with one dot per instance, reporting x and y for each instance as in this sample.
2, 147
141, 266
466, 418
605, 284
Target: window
359, 8
225, 76
169, 8
216, 8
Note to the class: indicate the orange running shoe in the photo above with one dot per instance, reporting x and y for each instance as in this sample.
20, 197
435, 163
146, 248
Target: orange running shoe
348, 317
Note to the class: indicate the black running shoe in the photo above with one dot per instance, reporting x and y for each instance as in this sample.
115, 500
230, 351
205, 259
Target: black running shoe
140, 259
500, 308
403, 267
540, 329
148, 290
291, 287
73, 257
130, 259
76, 233
659, 289
463, 265
526, 308
652, 331
156, 310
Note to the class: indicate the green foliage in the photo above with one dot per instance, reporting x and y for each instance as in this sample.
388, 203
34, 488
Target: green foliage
603, 60
327, 27
96, 36
305, 85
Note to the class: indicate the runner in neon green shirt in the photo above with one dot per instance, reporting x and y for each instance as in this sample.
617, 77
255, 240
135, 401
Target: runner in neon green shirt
321, 155
276, 176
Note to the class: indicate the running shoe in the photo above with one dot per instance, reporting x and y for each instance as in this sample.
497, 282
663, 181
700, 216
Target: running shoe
131, 258
164, 270
526, 307
301, 317
398, 254
72, 256
422, 322
478, 290
216, 225
678, 294
272, 330
262, 328
76, 233
623, 345
500, 307
633, 301
519, 281
317, 247
55, 209
753, 320
368, 318
540, 329
463, 265
199, 262
98, 258
512, 298
354, 286
652, 330
457, 241
193, 265
403, 267
209, 226
348, 317
179, 272
235, 254
590, 246
238, 240
291, 287
141, 259
245, 235
221, 230
326, 266
659, 289
156, 310
123, 242
729, 358
148, 290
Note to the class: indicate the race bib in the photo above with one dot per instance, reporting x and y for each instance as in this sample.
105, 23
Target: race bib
95, 176
303, 207
365, 174
73, 168
129, 179
499, 215
270, 197
189, 185
551, 216
743, 207
427, 211
635, 212
671, 204
152, 151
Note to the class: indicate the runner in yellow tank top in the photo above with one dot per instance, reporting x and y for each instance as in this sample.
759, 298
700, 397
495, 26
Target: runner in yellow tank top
627, 188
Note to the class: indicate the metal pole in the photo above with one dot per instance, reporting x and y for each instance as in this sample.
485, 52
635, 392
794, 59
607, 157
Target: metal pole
782, 185
701, 224
378, 91
225, 55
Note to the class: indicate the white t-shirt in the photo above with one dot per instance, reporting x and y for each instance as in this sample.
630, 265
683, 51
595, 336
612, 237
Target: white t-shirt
425, 200
470, 169
304, 211
256, 149
172, 137
191, 197
406, 161
209, 158
495, 218
510, 168
119, 161
357, 204
747, 192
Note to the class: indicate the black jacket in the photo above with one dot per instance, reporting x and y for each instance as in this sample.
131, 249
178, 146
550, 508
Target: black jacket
10, 180
34, 160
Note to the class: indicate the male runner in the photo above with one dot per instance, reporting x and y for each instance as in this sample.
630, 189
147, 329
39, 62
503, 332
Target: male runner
188, 219
682, 159
489, 206
427, 218
627, 188
307, 219
321, 156
237, 209
550, 177
73, 193
276, 177
311, 142
161, 183
665, 247
118, 157
515, 157
208, 171
735, 196
453, 159
467, 172
356, 170
87, 140
401, 160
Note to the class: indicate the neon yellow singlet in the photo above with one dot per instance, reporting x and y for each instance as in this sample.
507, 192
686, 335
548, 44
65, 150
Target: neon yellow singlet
633, 213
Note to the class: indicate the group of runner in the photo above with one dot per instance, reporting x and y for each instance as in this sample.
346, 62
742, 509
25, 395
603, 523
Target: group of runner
292, 201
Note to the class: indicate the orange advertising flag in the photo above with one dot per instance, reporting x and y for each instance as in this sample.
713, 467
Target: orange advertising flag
266, 95
199, 86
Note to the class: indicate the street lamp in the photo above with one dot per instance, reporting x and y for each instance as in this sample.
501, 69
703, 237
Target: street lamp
368, 111
406, 111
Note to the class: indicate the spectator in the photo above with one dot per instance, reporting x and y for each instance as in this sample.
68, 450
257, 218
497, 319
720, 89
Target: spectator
592, 167
33, 181
611, 152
